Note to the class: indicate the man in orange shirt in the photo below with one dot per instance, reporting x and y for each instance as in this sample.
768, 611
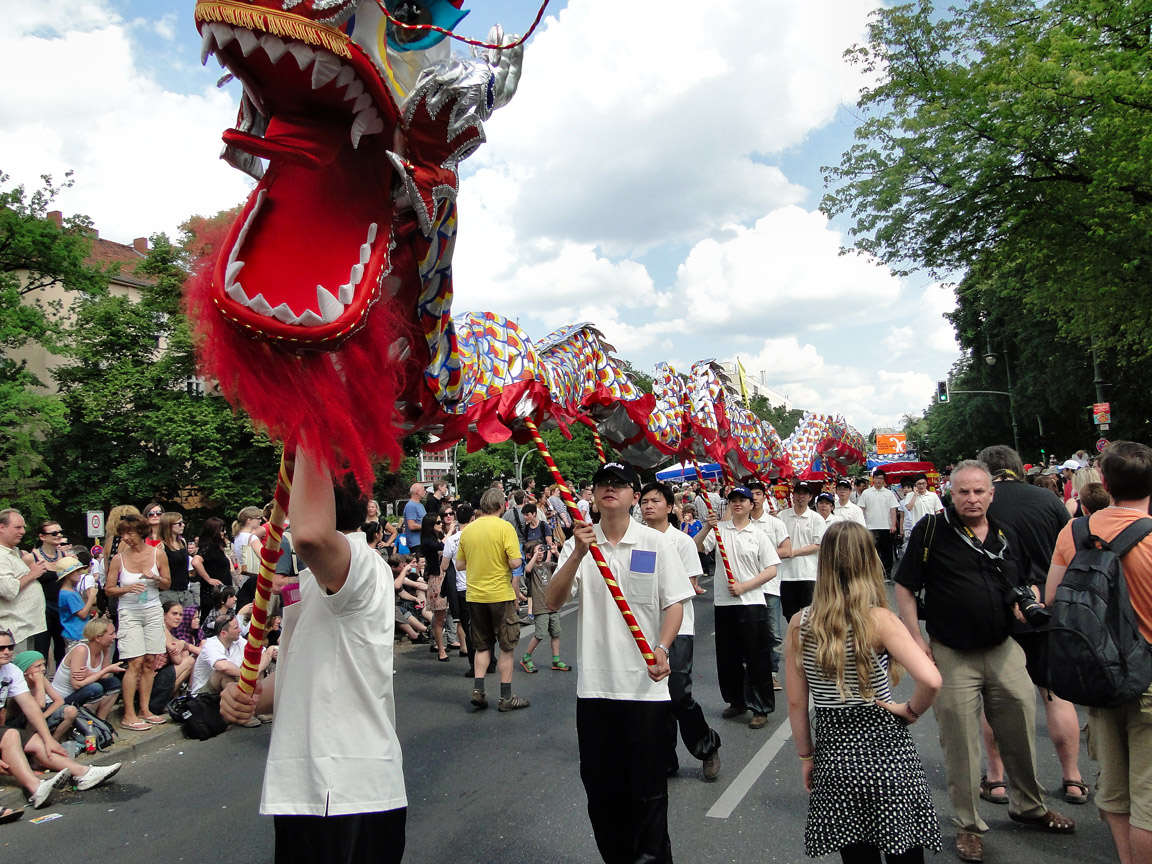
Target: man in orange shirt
1122, 736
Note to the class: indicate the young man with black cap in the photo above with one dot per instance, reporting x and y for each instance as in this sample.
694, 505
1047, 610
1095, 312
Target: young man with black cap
743, 633
846, 510
782, 543
798, 574
622, 704
656, 502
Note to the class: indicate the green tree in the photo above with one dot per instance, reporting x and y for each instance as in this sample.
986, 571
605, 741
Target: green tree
139, 424
35, 253
1013, 137
783, 420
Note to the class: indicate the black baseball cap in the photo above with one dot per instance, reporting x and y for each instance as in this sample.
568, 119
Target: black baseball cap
756, 484
824, 496
740, 490
844, 482
617, 471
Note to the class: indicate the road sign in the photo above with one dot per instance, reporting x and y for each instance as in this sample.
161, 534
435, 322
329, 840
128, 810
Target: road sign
95, 523
1101, 444
891, 443
1102, 414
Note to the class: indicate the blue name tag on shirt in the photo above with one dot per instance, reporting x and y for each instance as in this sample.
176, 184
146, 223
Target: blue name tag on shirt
643, 561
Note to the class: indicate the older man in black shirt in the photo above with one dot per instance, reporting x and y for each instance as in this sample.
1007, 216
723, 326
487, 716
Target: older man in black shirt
962, 562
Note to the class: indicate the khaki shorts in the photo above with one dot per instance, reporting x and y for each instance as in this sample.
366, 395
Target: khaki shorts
494, 623
547, 624
141, 631
1120, 739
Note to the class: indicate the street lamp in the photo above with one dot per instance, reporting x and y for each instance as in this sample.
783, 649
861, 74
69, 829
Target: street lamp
990, 359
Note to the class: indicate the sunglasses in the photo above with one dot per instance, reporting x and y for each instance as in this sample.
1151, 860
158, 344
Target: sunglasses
152, 513
51, 533
181, 522
447, 513
10, 646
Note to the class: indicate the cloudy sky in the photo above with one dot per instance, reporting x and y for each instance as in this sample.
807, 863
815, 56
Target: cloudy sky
657, 174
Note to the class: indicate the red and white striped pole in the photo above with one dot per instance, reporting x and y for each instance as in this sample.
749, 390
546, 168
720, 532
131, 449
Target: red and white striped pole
599, 446
269, 555
597, 555
719, 540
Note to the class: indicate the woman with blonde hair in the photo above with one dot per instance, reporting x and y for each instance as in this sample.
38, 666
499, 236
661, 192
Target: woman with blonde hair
1080, 479
868, 791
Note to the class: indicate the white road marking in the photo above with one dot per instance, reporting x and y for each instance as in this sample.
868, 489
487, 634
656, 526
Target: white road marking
730, 799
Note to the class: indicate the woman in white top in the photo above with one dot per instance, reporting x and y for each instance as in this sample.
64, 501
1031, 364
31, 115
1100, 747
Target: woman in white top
246, 544
138, 574
87, 675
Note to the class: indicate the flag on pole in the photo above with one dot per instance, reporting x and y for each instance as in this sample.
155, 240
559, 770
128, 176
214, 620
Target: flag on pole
743, 385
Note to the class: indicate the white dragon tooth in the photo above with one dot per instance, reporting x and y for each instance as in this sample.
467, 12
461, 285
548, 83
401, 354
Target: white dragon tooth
207, 45
362, 102
247, 40
347, 73
261, 306
304, 54
326, 67
372, 233
330, 307
223, 34
274, 47
367, 122
234, 267
346, 293
308, 318
365, 252
236, 292
356, 275
354, 90
283, 313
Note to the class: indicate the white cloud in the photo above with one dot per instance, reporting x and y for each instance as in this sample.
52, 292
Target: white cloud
649, 121
143, 156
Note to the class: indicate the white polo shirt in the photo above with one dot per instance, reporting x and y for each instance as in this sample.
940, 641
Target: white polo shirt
334, 746
878, 505
685, 547
847, 513
924, 504
777, 534
211, 653
749, 552
805, 529
648, 570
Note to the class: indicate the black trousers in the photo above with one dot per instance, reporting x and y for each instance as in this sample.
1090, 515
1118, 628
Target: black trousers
465, 620
359, 837
700, 738
52, 638
885, 547
622, 765
862, 853
744, 657
794, 596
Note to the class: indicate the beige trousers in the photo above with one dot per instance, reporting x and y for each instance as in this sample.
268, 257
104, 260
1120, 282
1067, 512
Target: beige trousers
995, 680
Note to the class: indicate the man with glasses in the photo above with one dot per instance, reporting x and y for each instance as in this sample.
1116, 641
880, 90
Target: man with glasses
22, 607
743, 630
622, 704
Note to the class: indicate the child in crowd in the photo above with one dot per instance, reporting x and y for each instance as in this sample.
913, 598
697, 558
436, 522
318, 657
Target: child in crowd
404, 567
75, 608
538, 572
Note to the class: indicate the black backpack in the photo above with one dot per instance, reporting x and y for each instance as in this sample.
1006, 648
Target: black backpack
102, 730
200, 715
1097, 656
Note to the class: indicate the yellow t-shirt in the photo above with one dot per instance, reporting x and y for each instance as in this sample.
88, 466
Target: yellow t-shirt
486, 547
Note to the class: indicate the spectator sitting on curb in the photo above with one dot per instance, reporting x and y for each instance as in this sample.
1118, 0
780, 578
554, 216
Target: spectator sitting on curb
88, 676
220, 660
16, 744
406, 618
57, 715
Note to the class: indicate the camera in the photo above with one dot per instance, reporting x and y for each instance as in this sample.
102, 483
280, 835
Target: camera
1030, 607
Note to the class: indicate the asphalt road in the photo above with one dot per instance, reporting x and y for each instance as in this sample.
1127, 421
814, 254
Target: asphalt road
490, 787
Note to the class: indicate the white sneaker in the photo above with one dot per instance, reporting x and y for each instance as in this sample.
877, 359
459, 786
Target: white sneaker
97, 775
47, 786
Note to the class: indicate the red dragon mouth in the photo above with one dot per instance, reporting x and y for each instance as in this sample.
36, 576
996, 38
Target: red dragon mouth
306, 258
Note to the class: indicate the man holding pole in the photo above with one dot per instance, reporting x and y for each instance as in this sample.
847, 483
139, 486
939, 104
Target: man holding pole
622, 704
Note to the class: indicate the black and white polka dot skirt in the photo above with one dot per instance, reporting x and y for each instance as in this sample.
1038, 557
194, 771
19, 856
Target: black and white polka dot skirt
868, 785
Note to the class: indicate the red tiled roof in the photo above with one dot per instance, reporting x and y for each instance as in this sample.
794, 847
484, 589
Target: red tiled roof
106, 252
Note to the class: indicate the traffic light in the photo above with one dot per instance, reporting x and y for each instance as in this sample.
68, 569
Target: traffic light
941, 391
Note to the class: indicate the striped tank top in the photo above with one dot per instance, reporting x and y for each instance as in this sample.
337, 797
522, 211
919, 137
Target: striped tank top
825, 693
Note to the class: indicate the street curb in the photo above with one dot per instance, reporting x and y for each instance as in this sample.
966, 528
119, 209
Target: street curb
128, 746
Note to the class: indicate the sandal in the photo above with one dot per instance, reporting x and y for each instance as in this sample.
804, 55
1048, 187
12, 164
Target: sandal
8, 815
1075, 797
137, 726
986, 793
1049, 821
156, 720
527, 665
561, 666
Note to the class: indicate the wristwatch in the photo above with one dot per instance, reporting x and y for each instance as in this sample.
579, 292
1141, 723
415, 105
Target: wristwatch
663, 648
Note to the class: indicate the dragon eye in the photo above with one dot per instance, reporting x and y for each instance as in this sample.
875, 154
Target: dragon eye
410, 12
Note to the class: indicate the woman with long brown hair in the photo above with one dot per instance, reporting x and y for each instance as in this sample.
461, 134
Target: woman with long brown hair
868, 790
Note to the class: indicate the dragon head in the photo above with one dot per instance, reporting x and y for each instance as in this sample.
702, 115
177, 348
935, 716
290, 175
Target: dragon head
320, 129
